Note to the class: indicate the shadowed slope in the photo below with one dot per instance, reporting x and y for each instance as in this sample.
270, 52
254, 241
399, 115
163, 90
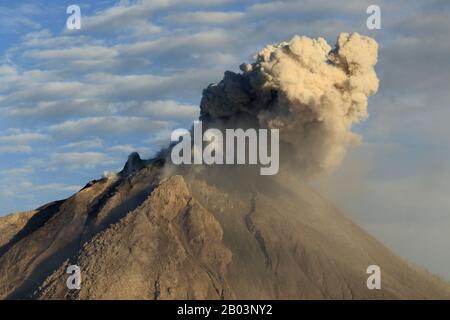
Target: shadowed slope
49, 239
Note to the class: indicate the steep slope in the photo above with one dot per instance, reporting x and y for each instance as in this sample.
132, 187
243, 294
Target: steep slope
146, 236
60, 229
11, 224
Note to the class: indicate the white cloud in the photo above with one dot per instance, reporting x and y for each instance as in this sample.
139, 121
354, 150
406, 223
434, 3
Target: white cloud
128, 149
106, 126
39, 94
27, 91
120, 17
205, 17
43, 39
78, 160
161, 109
15, 149
46, 110
56, 187
83, 52
85, 144
20, 192
137, 16
290, 8
17, 171
12, 18
160, 140
185, 42
23, 138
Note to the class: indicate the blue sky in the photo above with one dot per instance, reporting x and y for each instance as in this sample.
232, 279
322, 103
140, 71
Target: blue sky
75, 103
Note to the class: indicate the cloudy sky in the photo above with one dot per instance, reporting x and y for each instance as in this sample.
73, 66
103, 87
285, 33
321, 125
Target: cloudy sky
75, 103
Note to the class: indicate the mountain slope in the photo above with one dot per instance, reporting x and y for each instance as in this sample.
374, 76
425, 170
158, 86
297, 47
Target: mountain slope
11, 224
146, 236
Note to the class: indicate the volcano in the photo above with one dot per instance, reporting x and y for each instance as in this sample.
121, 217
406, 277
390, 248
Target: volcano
146, 234
156, 230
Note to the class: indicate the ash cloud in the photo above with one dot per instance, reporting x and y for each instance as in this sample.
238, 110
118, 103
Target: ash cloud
310, 91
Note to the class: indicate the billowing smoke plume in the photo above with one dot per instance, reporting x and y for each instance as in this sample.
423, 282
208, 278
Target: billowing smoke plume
311, 92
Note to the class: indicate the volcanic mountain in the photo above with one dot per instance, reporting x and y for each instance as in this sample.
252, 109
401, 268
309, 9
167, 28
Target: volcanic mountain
160, 231
146, 234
